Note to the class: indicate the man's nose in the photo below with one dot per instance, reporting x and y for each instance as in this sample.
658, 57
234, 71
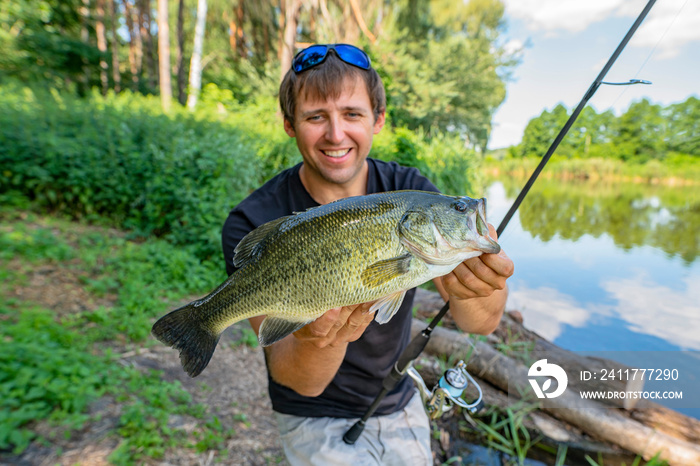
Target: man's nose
335, 132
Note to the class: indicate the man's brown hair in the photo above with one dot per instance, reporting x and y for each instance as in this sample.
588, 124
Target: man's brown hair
326, 81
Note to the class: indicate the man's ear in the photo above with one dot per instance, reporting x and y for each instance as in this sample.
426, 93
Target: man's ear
379, 122
289, 128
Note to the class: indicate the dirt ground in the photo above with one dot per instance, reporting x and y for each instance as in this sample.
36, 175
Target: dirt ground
234, 388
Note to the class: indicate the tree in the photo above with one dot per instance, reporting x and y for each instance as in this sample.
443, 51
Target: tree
102, 43
444, 66
116, 74
144, 7
541, 131
179, 61
291, 18
196, 61
135, 45
46, 41
683, 133
441, 61
166, 93
641, 132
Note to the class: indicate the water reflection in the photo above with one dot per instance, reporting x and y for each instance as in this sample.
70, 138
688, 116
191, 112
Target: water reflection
538, 304
654, 309
607, 267
640, 307
667, 218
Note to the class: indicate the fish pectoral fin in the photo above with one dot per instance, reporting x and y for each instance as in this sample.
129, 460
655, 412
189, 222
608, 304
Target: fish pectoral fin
387, 307
383, 271
247, 248
273, 329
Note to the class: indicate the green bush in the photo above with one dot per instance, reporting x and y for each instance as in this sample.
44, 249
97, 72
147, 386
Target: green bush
175, 176
443, 158
119, 157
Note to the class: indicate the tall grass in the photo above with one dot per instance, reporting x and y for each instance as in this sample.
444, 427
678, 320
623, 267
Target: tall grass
676, 169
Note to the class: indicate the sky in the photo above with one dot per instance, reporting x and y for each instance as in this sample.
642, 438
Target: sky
564, 45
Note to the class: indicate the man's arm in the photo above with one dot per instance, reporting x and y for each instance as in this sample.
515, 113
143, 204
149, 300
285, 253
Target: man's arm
308, 360
477, 290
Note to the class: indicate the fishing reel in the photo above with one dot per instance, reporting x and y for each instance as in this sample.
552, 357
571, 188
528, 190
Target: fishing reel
448, 391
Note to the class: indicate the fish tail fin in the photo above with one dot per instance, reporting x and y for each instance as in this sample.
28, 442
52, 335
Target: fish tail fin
181, 330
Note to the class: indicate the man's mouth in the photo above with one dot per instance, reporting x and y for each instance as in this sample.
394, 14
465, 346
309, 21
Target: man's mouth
336, 153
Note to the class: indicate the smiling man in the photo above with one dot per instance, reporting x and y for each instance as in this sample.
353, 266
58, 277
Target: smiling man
324, 376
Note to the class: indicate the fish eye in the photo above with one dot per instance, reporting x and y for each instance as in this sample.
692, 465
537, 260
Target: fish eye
461, 206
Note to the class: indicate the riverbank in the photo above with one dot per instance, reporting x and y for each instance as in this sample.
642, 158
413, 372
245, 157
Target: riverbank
76, 310
675, 172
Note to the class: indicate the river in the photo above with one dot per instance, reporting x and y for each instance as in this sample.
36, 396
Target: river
611, 270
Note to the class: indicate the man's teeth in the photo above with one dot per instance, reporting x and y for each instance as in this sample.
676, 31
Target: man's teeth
336, 153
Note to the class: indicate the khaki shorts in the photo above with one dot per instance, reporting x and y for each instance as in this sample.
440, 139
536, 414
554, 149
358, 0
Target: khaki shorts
401, 438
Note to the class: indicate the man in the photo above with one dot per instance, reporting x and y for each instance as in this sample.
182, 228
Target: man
324, 376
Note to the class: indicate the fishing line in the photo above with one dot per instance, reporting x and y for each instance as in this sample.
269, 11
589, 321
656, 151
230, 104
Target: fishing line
644, 63
653, 50
418, 343
587, 96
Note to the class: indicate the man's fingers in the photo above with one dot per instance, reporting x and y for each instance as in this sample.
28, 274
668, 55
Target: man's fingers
355, 327
468, 284
339, 325
479, 276
483, 272
322, 326
499, 263
492, 231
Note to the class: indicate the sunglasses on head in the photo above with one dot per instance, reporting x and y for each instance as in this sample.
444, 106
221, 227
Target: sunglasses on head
316, 54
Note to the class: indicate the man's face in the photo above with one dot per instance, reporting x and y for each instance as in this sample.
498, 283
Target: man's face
335, 136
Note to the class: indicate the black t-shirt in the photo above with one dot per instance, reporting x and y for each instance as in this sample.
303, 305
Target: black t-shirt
369, 359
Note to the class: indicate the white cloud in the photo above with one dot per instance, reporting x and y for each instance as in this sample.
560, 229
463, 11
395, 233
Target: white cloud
514, 46
567, 15
672, 28
673, 22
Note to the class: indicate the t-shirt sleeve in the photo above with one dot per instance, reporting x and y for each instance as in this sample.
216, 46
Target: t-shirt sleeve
236, 226
411, 178
424, 184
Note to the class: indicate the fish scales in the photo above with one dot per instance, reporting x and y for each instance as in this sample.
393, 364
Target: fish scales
338, 246
351, 251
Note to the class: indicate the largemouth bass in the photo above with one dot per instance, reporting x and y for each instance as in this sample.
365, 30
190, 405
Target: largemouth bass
351, 251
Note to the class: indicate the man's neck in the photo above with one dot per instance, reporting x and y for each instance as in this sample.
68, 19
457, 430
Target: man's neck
324, 191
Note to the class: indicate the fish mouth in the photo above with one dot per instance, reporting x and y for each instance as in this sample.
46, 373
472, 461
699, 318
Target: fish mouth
484, 242
448, 250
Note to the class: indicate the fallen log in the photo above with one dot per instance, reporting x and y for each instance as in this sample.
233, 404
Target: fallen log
603, 423
647, 412
553, 430
511, 331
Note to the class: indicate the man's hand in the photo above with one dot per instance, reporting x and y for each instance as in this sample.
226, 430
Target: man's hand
477, 290
480, 276
337, 326
316, 350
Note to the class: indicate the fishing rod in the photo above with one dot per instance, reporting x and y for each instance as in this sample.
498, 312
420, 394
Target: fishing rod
418, 343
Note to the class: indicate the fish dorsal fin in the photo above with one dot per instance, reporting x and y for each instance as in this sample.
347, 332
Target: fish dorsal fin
382, 271
246, 249
387, 307
273, 329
